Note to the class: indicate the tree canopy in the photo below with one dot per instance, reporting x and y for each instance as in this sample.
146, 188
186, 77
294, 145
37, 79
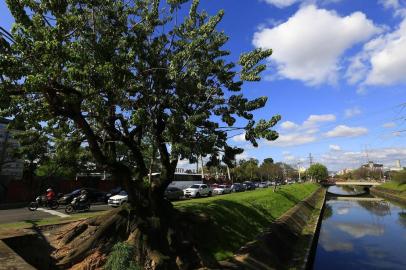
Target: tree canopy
318, 172
129, 75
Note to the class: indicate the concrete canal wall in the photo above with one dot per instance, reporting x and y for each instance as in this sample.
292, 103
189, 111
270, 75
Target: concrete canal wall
288, 243
388, 194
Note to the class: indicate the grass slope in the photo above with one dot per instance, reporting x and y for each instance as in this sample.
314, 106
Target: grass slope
235, 218
394, 186
239, 217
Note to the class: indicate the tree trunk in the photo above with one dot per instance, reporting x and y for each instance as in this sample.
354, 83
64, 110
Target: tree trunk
160, 235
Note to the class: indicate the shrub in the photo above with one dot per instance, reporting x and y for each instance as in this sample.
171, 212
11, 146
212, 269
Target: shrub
121, 258
399, 177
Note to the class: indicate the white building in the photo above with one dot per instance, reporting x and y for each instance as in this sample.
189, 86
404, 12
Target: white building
10, 167
397, 166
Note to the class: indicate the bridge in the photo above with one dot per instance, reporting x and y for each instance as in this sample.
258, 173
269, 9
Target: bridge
357, 183
351, 183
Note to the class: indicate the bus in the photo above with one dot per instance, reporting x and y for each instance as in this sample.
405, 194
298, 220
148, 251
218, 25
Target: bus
184, 180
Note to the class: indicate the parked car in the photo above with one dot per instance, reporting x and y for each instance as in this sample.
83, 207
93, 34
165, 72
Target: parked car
263, 185
93, 194
114, 191
198, 190
173, 193
237, 187
222, 189
249, 185
118, 200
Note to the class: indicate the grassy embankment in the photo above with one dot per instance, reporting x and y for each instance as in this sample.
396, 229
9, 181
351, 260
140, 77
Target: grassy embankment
238, 218
394, 188
235, 219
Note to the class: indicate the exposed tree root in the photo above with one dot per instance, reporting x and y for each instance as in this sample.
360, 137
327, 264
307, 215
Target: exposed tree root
159, 243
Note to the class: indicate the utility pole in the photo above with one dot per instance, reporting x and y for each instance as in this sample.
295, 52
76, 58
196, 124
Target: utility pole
310, 164
310, 159
298, 169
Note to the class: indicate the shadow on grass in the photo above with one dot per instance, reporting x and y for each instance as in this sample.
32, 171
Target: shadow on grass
228, 226
33, 248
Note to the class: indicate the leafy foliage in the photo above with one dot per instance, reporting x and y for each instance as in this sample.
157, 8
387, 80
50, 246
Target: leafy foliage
317, 172
399, 177
127, 76
120, 258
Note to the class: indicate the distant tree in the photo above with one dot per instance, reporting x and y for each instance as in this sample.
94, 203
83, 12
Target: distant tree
268, 161
317, 172
399, 177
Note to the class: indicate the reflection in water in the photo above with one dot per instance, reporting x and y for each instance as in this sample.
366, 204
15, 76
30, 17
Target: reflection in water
360, 230
402, 219
361, 235
380, 208
343, 210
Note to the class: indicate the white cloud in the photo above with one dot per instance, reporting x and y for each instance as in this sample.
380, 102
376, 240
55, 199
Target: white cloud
351, 112
399, 8
287, 3
346, 131
239, 138
292, 139
314, 119
334, 147
382, 61
309, 44
289, 125
360, 230
389, 125
304, 133
354, 159
281, 3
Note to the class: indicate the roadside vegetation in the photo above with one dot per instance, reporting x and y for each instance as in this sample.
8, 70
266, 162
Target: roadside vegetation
235, 219
229, 221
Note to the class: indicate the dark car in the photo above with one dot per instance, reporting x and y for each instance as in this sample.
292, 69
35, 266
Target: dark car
237, 187
173, 193
249, 185
114, 191
93, 194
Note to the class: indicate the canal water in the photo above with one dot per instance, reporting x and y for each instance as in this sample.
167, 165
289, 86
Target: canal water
361, 233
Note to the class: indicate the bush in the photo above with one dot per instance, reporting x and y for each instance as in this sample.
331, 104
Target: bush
121, 258
399, 177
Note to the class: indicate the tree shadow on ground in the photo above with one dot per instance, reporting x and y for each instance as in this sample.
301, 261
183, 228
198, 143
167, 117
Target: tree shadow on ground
33, 248
228, 225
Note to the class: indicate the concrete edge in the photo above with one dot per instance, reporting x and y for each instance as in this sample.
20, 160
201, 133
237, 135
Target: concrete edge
11, 260
387, 194
312, 246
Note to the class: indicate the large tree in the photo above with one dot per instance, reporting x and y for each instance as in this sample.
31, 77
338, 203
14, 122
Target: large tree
317, 172
130, 73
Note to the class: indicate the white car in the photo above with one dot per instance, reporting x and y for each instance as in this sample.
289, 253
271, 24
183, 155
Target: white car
221, 189
198, 190
118, 200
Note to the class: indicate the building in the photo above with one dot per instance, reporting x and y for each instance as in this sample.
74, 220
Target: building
397, 166
344, 171
372, 166
10, 167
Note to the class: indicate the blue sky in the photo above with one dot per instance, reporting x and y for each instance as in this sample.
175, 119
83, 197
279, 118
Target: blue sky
337, 76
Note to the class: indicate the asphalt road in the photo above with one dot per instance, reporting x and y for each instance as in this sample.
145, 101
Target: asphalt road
23, 214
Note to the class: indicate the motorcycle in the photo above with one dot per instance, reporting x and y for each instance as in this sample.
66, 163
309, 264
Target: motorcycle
41, 201
76, 206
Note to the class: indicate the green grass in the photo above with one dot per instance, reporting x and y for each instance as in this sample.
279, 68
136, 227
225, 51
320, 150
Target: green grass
394, 186
239, 217
234, 219
46, 221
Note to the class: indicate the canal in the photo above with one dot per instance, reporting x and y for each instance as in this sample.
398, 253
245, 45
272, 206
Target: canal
361, 233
